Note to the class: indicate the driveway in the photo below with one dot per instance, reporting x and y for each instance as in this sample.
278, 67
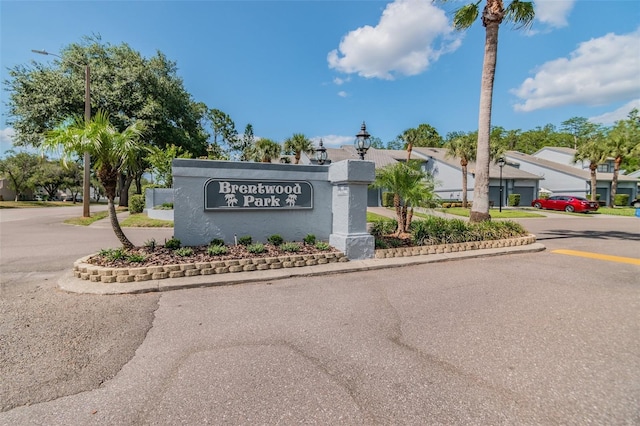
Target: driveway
540, 338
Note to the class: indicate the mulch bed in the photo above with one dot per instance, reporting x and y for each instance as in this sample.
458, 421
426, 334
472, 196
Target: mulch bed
164, 256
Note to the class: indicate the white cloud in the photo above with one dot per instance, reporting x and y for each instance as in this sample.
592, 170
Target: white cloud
621, 113
340, 81
410, 35
343, 94
598, 72
553, 12
6, 139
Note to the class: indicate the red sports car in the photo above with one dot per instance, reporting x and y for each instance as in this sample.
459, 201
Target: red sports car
568, 203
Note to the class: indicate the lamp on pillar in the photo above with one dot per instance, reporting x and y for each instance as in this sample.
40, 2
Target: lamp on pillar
86, 196
501, 163
363, 141
321, 153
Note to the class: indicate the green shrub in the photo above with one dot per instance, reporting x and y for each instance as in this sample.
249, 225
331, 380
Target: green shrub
113, 254
387, 199
245, 240
172, 243
150, 244
217, 250
309, 239
621, 200
290, 247
256, 248
275, 240
383, 227
184, 251
165, 206
217, 242
136, 203
514, 200
321, 245
381, 244
544, 195
136, 258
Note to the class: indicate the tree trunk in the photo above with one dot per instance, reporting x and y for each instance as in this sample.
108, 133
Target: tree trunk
614, 182
116, 225
480, 208
125, 184
396, 205
464, 185
593, 167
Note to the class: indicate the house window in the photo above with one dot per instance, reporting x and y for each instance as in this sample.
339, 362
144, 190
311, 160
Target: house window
604, 168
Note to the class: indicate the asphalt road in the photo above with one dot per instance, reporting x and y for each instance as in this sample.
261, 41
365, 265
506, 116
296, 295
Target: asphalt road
540, 338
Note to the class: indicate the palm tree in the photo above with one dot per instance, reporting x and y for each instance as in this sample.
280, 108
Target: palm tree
520, 13
411, 187
410, 137
464, 148
111, 152
595, 152
297, 144
620, 144
265, 150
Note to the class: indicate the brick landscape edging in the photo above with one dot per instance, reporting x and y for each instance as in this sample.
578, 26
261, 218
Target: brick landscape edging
86, 271
94, 273
454, 247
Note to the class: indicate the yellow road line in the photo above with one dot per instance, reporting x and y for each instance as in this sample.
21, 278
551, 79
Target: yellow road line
598, 256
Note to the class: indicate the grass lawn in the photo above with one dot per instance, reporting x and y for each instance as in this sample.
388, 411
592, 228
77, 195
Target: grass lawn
372, 217
32, 204
495, 213
86, 221
141, 220
617, 211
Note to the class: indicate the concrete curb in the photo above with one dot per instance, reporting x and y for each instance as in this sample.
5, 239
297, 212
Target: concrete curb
68, 282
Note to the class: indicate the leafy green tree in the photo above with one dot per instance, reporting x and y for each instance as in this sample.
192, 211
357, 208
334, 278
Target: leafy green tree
463, 147
296, 145
161, 163
19, 168
622, 140
111, 150
50, 176
72, 181
424, 135
521, 13
411, 187
224, 129
376, 142
580, 130
244, 144
595, 152
123, 83
265, 150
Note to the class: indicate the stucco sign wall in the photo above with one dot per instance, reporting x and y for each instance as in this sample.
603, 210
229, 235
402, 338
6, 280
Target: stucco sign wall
223, 194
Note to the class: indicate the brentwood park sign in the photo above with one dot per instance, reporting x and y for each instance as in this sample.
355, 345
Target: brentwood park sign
222, 194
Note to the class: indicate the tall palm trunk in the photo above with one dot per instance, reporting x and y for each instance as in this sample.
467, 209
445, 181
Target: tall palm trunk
491, 17
399, 213
113, 218
614, 182
593, 166
464, 183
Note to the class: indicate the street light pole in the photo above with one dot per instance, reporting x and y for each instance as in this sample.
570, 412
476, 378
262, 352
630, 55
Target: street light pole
86, 160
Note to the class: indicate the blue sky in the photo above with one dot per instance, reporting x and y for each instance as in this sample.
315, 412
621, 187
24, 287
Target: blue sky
322, 67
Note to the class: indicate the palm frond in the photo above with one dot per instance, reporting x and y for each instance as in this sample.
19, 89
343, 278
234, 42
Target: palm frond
520, 13
464, 17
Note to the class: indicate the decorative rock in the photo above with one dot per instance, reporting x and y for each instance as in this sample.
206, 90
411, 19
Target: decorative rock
262, 267
249, 267
176, 274
137, 271
95, 278
192, 272
222, 270
187, 267
203, 265
171, 268
311, 262
160, 275
108, 279
277, 265
208, 271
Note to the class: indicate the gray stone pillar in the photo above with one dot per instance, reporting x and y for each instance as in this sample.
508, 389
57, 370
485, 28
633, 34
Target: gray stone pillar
350, 180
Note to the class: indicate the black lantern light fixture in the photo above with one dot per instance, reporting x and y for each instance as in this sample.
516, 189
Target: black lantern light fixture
363, 141
501, 163
321, 153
